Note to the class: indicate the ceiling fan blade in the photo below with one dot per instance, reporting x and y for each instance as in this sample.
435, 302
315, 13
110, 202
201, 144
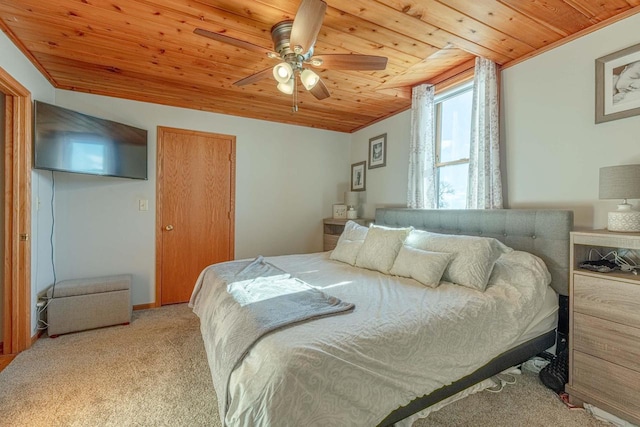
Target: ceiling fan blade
351, 62
255, 77
230, 40
320, 90
307, 23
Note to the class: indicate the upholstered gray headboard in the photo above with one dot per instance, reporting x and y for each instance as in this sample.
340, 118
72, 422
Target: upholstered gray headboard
544, 233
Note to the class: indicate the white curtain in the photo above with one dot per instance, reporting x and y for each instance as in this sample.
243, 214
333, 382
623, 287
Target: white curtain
422, 168
485, 185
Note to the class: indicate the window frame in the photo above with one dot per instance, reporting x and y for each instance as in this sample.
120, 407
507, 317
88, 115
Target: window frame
438, 100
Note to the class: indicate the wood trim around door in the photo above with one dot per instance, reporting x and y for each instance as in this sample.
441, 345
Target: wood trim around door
17, 190
159, 179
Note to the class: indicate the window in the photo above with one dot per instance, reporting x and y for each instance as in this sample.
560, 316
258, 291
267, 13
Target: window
453, 140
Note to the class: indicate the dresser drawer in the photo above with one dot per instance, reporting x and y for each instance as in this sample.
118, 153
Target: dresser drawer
607, 299
618, 387
607, 340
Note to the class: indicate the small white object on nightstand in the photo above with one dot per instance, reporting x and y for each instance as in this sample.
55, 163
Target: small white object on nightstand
352, 200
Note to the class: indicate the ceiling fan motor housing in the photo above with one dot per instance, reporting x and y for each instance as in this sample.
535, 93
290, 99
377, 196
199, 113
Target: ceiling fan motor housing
280, 34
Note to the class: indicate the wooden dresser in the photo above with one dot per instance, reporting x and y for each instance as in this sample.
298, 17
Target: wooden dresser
333, 228
604, 328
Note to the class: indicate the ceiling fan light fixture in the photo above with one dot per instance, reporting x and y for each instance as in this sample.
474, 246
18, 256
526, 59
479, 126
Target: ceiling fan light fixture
286, 87
273, 55
316, 62
309, 79
282, 72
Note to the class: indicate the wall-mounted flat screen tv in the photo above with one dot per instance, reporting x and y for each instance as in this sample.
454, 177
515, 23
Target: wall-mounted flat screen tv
68, 141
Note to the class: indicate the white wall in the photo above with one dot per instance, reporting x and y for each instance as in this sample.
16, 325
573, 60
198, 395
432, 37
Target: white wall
17, 65
287, 178
386, 186
554, 149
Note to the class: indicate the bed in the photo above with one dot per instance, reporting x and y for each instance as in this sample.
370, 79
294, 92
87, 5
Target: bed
396, 347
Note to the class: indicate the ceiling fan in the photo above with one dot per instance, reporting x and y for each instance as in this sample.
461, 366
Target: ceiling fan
294, 43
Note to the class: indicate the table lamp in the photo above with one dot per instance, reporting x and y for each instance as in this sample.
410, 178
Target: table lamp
621, 182
351, 199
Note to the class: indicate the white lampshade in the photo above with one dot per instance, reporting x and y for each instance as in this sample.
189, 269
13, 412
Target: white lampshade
351, 198
282, 72
621, 182
309, 79
286, 87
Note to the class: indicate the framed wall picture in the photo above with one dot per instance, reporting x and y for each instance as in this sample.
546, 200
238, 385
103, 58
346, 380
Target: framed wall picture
378, 151
618, 85
358, 176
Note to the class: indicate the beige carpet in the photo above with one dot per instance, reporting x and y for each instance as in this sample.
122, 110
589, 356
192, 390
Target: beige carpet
154, 373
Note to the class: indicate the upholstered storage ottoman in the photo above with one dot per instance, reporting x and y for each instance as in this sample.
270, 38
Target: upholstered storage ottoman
78, 305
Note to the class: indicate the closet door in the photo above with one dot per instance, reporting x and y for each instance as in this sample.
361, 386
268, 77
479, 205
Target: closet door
195, 212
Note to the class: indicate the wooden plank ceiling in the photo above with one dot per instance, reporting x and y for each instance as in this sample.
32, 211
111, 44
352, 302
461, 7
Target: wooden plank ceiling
146, 50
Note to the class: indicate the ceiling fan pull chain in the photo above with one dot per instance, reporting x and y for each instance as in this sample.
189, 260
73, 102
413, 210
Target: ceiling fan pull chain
294, 109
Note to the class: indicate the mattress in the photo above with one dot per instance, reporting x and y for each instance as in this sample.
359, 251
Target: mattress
545, 320
402, 341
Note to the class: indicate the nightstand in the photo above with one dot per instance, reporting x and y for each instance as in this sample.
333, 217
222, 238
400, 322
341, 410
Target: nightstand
333, 228
604, 328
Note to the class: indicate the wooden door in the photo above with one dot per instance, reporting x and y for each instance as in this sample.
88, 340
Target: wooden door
17, 208
195, 208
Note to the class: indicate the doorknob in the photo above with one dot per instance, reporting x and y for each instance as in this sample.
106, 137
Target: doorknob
169, 227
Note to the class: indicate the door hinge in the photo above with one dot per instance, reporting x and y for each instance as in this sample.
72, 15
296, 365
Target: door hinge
24, 237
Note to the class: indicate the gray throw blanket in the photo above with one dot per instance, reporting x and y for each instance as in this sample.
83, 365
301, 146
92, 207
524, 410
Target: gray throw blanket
252, 299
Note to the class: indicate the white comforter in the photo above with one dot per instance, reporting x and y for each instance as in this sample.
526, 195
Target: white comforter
402, 341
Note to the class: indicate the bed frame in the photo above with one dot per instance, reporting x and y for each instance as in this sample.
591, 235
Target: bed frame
544, 233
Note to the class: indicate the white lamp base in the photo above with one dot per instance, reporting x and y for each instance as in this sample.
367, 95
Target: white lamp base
353, 214
624, 219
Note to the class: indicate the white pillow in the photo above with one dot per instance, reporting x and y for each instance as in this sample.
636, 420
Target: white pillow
474, 257
520, 268
380, 248
424, 266
349, 243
